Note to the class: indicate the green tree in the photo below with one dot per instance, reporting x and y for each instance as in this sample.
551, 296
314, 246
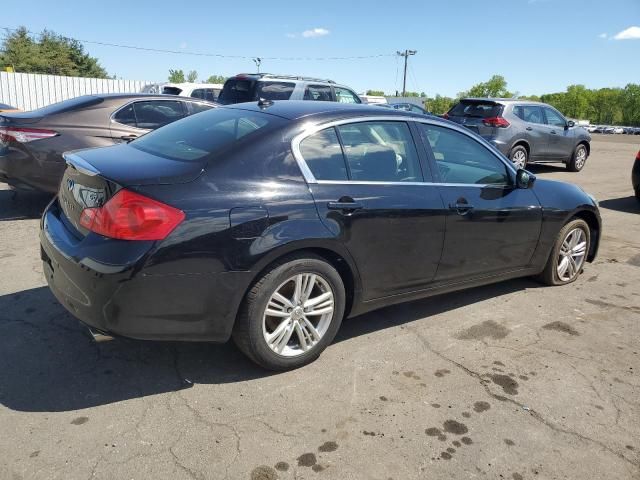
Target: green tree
411, 94
176, 76
216, 79
192, 76
576, 100
496, 86
48, 53
630, 102
375, 93
439, 104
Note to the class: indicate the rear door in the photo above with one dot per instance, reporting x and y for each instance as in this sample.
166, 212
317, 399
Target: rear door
492, 227
367, 181
471, 113
535, 128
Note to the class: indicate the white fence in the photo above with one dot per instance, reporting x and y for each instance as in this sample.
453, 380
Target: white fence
28, 91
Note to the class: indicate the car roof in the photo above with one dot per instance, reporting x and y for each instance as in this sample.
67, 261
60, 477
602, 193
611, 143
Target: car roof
502, 101
297, 109
163, 96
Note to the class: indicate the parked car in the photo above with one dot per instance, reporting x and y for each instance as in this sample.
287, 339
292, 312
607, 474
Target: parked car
7, 108
270, 222
32, 143
203, 91
635, 176
248, 87
526, 132
618, 130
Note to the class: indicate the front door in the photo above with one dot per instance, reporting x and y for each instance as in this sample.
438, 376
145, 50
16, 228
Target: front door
370, 193
492, 227
561, 141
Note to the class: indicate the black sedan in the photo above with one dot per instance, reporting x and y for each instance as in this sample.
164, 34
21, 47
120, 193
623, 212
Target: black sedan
271, 222
32, 143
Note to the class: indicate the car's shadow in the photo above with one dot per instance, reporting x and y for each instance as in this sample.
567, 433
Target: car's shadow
628, 204
48, 363
22, 205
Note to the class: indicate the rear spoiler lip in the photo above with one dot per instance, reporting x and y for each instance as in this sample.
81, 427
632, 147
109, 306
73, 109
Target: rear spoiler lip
80, 164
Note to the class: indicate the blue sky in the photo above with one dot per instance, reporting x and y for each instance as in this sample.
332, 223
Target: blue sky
539, 46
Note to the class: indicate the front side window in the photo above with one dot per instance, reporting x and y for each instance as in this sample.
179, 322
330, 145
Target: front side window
318, 93
154, 114
323, 155
344, 95
461, 159
529, 113
274, 90
554, 118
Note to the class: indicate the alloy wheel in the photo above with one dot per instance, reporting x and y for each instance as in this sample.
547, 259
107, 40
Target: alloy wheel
581, 157
520, 159
572, 254
298, 314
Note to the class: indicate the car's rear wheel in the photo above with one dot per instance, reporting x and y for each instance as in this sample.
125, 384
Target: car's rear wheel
519, 156
291, 314
568, 254
579, 158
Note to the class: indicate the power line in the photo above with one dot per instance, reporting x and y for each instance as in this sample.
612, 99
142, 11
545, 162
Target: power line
208, 54
405, 54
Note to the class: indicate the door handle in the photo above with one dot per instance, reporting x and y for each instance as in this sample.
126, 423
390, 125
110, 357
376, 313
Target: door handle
128, 138
461, 208
345, 206
553, 132
529, 129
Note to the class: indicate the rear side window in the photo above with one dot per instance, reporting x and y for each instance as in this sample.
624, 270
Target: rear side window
529, 113
209, 94
318, 92
154, 114
274, 90
478, 109
205, 134
323, 155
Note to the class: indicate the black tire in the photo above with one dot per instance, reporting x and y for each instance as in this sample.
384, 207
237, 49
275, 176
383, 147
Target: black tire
576, 164
247, 333
549, 275
637, 191
517, 152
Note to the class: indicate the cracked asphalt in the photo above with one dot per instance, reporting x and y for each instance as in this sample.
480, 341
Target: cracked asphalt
511, 381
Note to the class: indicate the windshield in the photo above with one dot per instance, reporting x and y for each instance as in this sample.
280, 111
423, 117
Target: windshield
478, 109
198, 136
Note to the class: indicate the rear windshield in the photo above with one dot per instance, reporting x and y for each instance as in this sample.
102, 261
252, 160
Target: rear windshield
477, 109
238, 90
198, 136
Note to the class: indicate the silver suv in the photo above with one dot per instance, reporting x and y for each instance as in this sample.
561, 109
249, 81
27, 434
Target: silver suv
249, 87
525, 131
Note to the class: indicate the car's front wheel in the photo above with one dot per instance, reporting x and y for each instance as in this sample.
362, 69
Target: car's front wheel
579, 158
568, 255
519, 156
291, 314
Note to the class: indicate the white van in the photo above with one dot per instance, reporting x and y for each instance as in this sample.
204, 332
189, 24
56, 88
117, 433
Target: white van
204, 91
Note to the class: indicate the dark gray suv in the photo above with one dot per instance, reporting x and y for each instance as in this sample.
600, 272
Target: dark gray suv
525, 131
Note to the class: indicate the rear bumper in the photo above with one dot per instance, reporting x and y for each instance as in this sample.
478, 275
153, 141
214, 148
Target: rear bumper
122, 300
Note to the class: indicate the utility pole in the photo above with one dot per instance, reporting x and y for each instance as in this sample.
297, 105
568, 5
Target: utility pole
405, 54
258, 61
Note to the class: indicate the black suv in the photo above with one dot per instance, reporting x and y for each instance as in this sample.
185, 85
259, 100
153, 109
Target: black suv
525, 131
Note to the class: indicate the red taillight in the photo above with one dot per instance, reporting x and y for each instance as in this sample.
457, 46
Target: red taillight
131, 216
24, 135
445, 116
496, 122
638, 156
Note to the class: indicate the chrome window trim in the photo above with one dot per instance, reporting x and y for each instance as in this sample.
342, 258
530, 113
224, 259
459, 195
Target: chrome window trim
307, 132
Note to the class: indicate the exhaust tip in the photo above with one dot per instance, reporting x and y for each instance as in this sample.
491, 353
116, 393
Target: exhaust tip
99, 336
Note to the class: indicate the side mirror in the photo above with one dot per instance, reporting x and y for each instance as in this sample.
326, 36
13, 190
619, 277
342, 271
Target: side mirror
524, 179
570, 124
